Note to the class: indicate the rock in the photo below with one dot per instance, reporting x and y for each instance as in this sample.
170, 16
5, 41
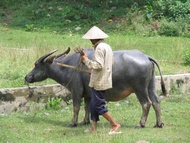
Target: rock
9, 107
30, 106
4, 96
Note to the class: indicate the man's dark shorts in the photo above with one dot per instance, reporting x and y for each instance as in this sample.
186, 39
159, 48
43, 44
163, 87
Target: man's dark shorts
97, 104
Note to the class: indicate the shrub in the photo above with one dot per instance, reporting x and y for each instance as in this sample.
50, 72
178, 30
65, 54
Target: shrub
53, 103
186, 57
179, 9
168, 28
171, 8
173, 28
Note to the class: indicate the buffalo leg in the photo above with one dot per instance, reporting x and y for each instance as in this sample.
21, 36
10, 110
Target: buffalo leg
155, 103
146, 104
75, 116
76, 109
87, 111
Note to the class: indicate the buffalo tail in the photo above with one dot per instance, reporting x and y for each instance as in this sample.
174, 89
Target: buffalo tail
164, 91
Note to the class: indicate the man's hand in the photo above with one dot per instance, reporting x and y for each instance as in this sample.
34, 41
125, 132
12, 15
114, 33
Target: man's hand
82, 57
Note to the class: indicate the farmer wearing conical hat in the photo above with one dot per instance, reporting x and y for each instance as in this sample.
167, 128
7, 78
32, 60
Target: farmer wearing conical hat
100, 78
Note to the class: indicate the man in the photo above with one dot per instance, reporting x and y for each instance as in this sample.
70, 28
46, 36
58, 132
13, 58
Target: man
100, 78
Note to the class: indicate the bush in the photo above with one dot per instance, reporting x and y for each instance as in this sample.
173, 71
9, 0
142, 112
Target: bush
173, 28
179, 9
186, 57
168, 28
171, 8
53, 103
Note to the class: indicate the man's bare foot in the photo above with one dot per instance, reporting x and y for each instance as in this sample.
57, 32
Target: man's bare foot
116, 127
91, 130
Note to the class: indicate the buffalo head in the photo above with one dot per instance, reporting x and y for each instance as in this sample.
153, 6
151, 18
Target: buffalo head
41, 69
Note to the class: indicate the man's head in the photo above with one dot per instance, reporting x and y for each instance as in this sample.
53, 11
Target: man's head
94, 41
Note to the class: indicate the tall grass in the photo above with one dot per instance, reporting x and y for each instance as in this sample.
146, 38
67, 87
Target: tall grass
20, 49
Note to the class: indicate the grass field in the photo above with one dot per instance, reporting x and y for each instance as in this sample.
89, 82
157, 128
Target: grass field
49, 126
20, 49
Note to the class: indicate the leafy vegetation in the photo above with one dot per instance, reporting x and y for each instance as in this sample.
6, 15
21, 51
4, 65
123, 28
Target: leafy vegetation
50, 125
147, 18
54, 103
186, 56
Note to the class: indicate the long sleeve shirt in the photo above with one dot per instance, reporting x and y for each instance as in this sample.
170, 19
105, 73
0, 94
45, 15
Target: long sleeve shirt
101, 67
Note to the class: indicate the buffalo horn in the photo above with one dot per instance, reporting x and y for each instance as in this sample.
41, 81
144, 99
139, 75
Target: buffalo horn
65, 52
45, 56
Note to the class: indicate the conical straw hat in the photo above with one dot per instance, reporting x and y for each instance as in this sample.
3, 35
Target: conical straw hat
95, 33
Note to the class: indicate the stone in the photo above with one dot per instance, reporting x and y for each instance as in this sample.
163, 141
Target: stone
12, 106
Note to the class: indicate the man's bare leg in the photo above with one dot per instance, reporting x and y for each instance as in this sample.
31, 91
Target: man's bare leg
114, 124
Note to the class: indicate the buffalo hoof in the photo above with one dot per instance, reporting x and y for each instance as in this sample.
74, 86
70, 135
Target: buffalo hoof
84, 123
71, 125
159, 125
139, 126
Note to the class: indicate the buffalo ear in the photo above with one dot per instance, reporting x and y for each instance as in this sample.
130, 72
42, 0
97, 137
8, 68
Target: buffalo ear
49, 59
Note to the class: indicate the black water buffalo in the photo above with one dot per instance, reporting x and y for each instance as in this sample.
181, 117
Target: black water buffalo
133, 72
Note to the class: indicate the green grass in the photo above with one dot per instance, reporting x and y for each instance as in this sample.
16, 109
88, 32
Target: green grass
50, 126
20, 49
